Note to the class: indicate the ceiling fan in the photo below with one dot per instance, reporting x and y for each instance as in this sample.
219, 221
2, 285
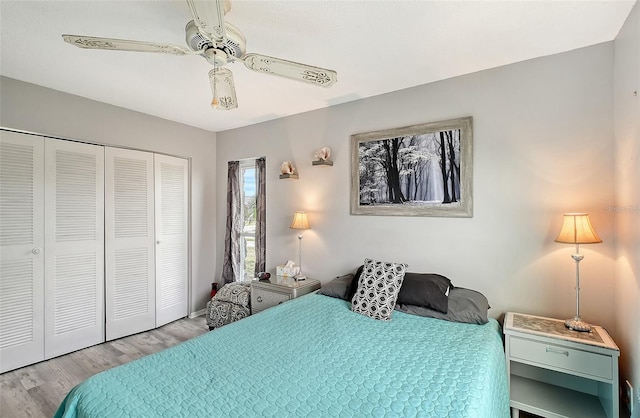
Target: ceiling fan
219, 42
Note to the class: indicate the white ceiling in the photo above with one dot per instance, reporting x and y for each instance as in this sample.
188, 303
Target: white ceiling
375, 46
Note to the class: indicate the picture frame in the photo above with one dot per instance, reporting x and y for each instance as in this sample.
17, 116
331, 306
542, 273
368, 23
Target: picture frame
418, 170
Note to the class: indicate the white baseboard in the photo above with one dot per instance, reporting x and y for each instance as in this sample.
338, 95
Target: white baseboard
197, 313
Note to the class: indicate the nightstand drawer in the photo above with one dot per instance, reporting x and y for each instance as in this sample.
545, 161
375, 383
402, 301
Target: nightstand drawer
261, 299
561, 357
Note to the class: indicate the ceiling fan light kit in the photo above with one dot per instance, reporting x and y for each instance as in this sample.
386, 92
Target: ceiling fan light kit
209, 36
224, 92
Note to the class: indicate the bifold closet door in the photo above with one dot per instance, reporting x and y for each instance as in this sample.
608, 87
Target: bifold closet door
130, 244
21, 250
171, 219
74, 246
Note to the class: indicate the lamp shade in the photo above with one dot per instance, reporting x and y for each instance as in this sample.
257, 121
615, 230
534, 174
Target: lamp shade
577, 229
300, 221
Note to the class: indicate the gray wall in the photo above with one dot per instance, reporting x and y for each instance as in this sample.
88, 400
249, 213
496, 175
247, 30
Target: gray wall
627, 181
33, 108
543, 145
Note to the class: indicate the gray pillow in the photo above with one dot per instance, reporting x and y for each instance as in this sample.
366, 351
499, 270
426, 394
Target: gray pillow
465, 305
338, 287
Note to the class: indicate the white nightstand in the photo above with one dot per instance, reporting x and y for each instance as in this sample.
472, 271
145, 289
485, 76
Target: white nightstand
557, 372
268, 293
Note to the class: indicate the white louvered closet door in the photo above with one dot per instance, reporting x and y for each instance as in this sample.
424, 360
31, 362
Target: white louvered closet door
21, 250
172, 232
74, 242
130, 244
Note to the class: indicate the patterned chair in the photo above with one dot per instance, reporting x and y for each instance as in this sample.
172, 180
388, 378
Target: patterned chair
231, 303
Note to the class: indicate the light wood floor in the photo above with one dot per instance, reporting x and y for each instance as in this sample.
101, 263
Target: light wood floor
37, 390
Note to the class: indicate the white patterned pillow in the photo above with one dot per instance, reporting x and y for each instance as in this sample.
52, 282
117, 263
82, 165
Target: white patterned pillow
378, 289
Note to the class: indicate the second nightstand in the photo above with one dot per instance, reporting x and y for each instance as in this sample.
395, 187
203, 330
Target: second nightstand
557, 372
268, 293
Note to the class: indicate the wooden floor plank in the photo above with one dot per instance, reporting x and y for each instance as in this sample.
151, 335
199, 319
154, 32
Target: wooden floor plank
36, 391
70, 368
18, 403
126, 348
45, 399
29, 377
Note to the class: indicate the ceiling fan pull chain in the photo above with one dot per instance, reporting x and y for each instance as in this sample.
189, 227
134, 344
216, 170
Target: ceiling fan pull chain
214, 102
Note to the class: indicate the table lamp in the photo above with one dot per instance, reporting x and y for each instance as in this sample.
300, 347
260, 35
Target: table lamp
577, 229
300, 221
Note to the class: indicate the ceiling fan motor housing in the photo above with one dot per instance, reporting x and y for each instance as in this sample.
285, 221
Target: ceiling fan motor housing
234, 46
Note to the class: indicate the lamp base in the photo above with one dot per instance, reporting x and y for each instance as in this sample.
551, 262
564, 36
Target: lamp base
577, 324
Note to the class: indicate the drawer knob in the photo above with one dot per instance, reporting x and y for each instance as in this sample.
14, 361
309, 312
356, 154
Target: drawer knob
557, 351
259, 298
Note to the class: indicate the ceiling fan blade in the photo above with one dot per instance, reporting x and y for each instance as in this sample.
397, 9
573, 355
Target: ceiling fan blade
209, 17
90, 42
302, 72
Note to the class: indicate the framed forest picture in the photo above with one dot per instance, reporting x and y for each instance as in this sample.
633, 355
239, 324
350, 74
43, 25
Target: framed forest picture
420, 170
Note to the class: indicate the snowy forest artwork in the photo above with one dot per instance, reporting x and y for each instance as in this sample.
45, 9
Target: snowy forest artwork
422, 170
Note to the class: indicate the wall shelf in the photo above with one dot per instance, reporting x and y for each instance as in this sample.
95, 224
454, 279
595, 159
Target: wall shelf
288, 177
326, 163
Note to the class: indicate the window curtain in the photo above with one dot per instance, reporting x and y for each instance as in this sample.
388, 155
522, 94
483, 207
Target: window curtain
261, 216
231, 266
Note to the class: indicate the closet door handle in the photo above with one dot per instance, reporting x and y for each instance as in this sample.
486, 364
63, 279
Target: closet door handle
158, 242
36, 251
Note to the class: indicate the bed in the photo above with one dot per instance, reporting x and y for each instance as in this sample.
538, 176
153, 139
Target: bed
311, 357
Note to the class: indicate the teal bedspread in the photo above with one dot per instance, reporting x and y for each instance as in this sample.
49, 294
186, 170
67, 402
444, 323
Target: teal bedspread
310, 357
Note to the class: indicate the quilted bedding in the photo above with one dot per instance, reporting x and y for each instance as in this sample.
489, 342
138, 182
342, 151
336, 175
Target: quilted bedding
311, 357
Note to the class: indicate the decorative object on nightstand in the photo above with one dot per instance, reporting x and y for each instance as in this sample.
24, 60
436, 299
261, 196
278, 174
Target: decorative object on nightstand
300, 221
557, 372
322, 156
577, 229
288, 171
288, 269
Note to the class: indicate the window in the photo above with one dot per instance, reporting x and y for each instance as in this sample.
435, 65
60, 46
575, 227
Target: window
245, 232
248, 216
